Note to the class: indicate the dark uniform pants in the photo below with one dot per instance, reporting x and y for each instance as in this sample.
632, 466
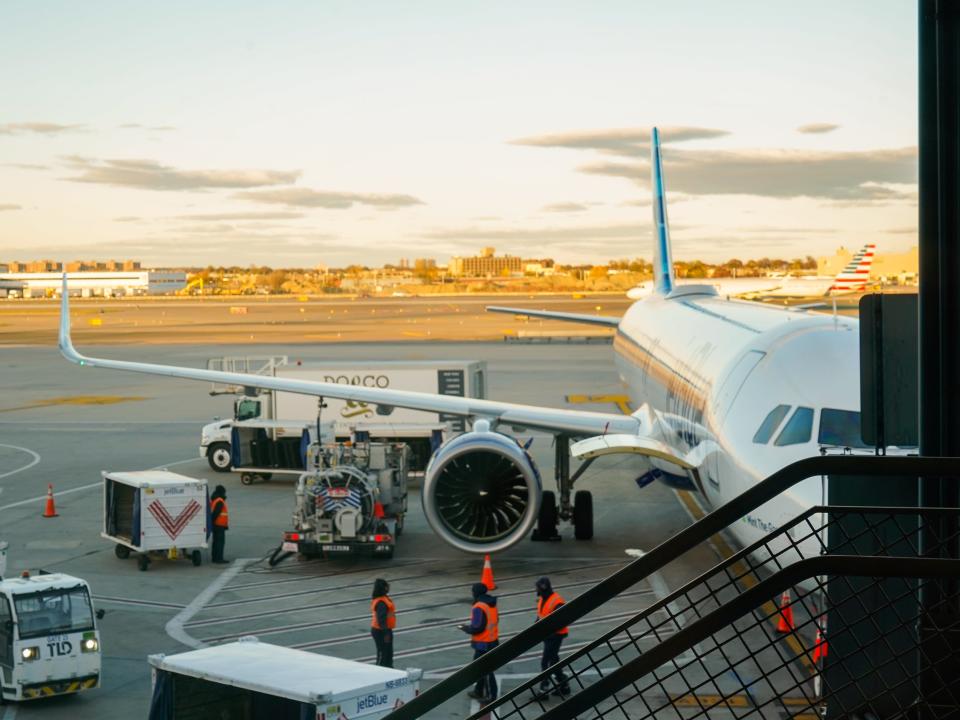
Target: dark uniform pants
551, 656
486, 684
383, 639
219, 536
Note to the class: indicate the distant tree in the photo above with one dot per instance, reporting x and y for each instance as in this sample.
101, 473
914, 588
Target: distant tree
275, 280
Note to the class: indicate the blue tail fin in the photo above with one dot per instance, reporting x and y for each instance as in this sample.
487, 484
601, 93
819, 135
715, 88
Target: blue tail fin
662, 257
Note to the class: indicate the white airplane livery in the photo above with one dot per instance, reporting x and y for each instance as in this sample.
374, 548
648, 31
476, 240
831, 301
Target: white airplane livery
727, 392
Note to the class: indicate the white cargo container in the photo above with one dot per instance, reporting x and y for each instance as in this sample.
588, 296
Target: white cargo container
445, 377
152, 511
251, 680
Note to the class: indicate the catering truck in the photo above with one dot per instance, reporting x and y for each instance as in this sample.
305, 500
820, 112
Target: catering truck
251, 680
386, 423
49, 642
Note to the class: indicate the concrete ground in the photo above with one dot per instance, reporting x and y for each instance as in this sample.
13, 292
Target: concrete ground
64, 424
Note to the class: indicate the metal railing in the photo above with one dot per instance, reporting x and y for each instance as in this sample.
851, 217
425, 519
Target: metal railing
695, 681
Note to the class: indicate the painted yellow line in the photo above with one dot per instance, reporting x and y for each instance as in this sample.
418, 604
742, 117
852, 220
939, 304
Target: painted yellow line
621, 401
79, 400
696, 700
747, 580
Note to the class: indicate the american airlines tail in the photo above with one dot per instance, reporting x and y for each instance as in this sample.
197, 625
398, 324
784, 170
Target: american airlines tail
856, 273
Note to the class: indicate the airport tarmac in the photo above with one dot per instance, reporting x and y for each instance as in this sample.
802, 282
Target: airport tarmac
64, 424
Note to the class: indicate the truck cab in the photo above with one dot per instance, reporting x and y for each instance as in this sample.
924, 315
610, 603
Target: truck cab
49, 642
215, 437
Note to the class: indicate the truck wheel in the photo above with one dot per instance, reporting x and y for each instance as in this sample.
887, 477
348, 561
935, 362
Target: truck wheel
547, 520
583, 515
218, 455
143, 563
266, 476
247, 479
121, 551
196, 558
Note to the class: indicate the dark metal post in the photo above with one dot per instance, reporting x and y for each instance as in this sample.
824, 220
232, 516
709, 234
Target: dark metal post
939, 329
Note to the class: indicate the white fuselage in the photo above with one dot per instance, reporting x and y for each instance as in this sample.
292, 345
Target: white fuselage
717, 368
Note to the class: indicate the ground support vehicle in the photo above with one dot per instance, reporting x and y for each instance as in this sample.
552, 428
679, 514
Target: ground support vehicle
49, 642
251, 680
261, 448
354, 502
155, 513
457, 378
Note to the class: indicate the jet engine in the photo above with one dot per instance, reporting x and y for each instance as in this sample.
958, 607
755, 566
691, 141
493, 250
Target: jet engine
481, 491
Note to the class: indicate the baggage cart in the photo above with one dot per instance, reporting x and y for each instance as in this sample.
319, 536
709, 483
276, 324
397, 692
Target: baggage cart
155, 512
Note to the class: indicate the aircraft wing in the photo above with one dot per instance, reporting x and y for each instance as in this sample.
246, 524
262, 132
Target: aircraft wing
604, 320
573, 422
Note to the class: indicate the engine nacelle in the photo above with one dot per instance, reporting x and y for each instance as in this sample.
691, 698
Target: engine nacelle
481, 491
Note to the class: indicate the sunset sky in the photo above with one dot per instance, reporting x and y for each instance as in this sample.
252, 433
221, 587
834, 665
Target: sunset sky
299, 133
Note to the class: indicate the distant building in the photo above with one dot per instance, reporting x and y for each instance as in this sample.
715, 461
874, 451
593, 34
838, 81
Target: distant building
487, 264
424, 264
94, 282
404, 264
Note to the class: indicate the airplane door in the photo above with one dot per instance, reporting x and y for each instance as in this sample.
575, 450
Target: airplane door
727, 394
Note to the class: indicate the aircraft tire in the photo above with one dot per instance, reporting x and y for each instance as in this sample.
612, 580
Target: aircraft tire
548, 518
583, 515
218, 456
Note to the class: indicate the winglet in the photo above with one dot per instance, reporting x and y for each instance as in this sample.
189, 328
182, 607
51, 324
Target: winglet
64, 342
662, 256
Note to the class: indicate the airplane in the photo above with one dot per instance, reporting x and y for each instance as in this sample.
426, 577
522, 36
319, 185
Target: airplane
852, 279
727, 392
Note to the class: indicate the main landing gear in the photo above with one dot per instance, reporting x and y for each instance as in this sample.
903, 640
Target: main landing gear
579, 512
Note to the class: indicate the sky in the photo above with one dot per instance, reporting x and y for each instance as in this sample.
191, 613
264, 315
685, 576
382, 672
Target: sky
294, 134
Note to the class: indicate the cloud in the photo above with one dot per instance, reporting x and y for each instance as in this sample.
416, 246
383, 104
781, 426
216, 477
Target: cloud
565, 207
38, 128
859, 175
817, 128
307, 198
153, 128
619, 141
151, 175
266, 215
9, 206
127, 218
27, 166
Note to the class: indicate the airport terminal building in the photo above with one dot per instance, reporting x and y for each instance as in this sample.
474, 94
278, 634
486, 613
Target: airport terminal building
92, 283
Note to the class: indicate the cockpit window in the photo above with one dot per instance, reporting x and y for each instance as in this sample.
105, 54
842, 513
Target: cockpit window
841, 428
770, 423
798, 428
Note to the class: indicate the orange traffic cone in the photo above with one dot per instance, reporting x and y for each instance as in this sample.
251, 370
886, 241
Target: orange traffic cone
378, 512
486, 577
50, 510
820, 643
785, 623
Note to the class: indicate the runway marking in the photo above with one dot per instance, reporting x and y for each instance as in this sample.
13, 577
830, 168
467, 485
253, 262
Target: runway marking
747, 580
78, 400
337, 603
175, 627
314, 578
133, 601
11, 713
39, 498
312, 591
36, 459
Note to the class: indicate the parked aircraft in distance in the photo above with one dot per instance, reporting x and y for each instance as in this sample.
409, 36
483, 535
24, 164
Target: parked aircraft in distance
726, 391
854, 278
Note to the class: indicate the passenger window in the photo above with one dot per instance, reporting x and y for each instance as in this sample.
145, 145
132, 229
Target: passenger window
770, 423
798, 428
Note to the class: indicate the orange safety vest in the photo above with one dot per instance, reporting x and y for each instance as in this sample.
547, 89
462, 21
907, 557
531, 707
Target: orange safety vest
223, 519
391, 613
492, 631
545, 607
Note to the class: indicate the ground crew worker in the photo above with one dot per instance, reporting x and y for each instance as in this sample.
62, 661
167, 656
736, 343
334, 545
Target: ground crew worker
549, 600
220, 521
383, 618
484, 631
